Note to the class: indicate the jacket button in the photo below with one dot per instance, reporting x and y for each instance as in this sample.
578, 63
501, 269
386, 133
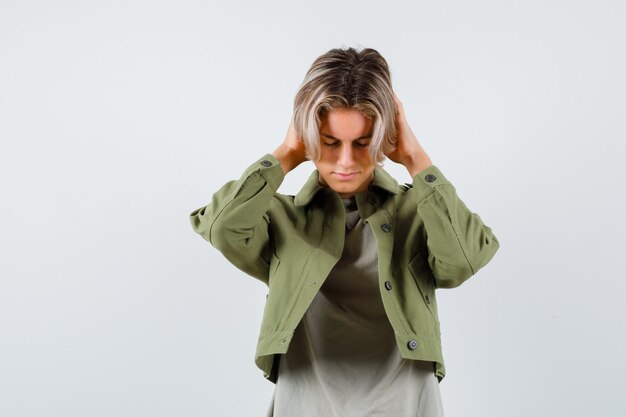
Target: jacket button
412, 345
266, 163
427, 298
386, 227
430, 178
372, 199
388, 285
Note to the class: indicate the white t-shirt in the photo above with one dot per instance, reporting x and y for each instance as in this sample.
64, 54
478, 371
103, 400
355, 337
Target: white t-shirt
343, 360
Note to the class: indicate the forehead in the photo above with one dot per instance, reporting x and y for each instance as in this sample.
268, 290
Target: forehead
346, 124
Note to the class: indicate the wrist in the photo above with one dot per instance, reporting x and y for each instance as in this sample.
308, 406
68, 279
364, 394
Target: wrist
417, 162
286, 157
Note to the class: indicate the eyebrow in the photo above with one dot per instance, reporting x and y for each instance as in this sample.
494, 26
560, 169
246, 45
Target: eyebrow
332, 137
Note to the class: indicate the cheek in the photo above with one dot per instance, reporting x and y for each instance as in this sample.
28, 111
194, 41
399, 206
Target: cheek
326, 157
364, 158
325, 152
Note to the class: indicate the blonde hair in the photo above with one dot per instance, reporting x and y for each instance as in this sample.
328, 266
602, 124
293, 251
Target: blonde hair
347, 79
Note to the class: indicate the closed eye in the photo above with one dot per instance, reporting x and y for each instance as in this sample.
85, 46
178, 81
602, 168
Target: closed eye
357, 144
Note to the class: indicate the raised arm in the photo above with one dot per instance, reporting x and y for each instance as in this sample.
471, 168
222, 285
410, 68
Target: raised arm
458, 241
236, 221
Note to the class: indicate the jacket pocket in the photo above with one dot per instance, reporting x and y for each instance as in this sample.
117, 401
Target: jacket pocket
425, 283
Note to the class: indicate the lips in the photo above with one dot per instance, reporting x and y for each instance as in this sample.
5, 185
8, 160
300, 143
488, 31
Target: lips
345, 176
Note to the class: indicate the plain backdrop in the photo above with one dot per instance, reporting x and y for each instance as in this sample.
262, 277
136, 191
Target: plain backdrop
119, 118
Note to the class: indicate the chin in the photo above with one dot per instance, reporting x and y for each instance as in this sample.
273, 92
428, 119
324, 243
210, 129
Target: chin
343, 189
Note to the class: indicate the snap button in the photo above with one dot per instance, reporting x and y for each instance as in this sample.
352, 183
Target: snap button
266, 163
386, 227
427, 298
430, 178
388, 285
412, 345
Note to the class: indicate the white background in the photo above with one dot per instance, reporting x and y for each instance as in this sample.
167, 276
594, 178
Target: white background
119, 118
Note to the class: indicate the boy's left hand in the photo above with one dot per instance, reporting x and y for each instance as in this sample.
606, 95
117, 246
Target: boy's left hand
408, 150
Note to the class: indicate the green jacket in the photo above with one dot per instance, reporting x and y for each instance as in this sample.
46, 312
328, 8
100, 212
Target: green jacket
426, 237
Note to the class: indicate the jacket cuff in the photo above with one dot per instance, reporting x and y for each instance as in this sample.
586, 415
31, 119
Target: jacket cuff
267, 167
426, 180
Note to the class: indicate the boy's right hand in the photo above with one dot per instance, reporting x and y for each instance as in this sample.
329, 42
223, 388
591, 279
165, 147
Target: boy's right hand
292, 152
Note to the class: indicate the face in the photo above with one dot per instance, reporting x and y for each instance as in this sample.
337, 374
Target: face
344, 164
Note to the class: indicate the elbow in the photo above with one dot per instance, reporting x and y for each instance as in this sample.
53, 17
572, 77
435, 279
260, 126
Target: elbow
486, 252
451, 276
227, 239
207, 226
199, 222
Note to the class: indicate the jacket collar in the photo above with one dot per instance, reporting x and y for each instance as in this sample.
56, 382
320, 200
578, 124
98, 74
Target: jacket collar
382, 180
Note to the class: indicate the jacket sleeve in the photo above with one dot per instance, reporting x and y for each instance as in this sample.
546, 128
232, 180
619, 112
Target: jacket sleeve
236, 221
459, 243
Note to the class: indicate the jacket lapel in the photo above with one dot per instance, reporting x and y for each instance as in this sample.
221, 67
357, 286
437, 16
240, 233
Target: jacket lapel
308, 191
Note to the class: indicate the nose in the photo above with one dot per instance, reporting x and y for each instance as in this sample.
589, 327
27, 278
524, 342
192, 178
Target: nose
346, 156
